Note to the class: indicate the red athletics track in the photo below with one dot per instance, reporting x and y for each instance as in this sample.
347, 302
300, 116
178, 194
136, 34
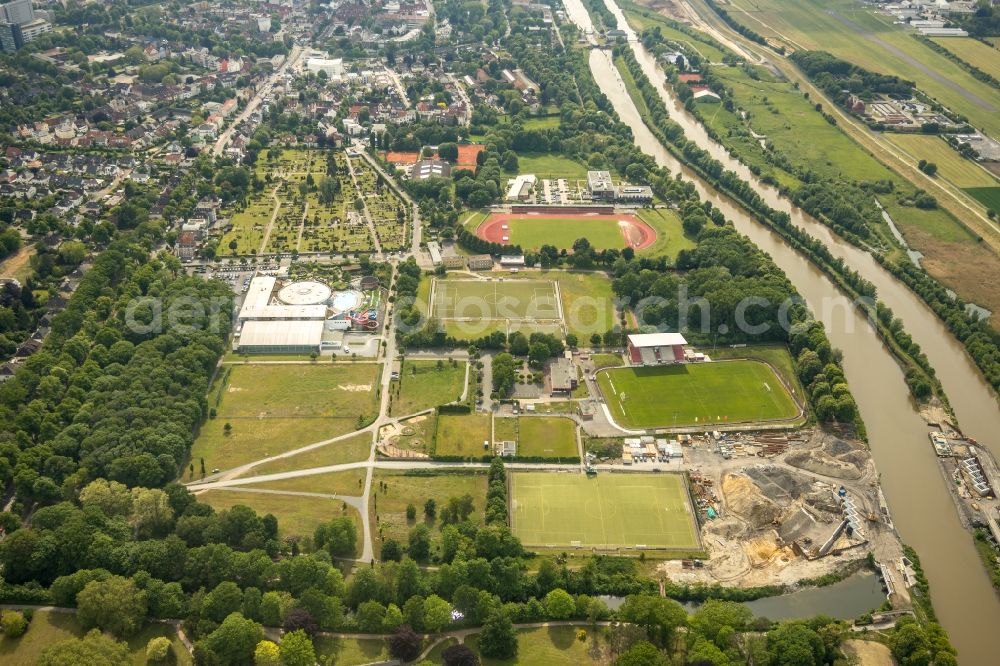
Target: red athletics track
638, 235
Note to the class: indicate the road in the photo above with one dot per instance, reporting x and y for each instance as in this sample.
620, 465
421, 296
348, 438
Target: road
464, 96
262, 92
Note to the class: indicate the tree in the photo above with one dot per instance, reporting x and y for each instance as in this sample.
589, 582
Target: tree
339, 536
643, 653
226, 598
657, 615
234, 641
112, 498
497, 639
158, 650
267, 654
370, 616
115, 605
13, 623
405, 644
391, 551
460, 655
411, 512
714, 615
559, 604
794, 644
297, 649
430, 506
448, 151
300, 619
94, 649
420, 542
437, 614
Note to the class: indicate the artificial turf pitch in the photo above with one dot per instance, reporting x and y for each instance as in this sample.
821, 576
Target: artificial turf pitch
695, 393
495, 299
607, 510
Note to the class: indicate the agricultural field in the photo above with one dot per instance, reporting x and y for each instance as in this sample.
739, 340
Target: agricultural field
289, 213
952, 167
276, 408
425, 384
855, 32
670, 238
988, 196
695, 393
297, 516
607, 510
974, 52
401, 489
48, 627
462, 435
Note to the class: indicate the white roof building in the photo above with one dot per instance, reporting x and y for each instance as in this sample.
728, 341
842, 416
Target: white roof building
282, 335
656, 339
257, 304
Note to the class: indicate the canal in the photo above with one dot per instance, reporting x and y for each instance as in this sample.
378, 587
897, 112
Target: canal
921, 504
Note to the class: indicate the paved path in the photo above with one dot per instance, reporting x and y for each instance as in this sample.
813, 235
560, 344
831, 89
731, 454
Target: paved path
270, 224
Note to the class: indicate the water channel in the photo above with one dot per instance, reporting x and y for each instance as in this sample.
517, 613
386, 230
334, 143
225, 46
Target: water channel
921, 504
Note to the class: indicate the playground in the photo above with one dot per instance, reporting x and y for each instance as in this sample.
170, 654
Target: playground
551, 227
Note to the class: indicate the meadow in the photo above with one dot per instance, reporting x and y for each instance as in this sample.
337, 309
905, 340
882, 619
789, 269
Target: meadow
462, 435
974, 52
695, 393
425, 384
297, 516
607, 510
951, 166
670, 238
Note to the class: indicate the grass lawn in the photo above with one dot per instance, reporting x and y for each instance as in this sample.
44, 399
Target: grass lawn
777, 355
551, 437
988, 196
473, 218
621, 510
495, 299
542, 122
548, 165
670, 238
606, 360
951, 166
462, 435
351, 651
974, 52
422, 384
297, 515
587, 301
349, 482
472, 330
403, 488
48, 627
348, 450
535, 231
552, 646
275, 408
695, 393
505, 429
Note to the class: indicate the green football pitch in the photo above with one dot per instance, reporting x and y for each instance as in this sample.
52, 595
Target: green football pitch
607, 510
695, 393
533, 232
495, 299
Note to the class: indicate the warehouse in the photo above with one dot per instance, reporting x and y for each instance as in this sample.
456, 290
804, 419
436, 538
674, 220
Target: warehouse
281, 336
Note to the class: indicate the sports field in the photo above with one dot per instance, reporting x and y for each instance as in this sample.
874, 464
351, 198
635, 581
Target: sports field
695, 393
531, 231
495, 299
607, 510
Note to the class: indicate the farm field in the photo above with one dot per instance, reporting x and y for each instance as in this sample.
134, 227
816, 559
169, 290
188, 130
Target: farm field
550, 437
349, 450
670, 238
494, 299
695, 393
48, 627
297, 516
988, 196
422, 384
856, 33
974, 52
276, 408
462, 435
608, 510
951, 166
403, 488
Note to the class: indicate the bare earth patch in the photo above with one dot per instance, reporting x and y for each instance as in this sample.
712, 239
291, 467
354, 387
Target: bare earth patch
868, 653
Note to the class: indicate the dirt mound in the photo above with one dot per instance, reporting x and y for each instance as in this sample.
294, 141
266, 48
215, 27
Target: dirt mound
745, 499
818, 462
779, 484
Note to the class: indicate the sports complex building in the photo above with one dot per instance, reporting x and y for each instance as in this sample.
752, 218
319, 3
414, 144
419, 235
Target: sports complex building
660, 348
302, 317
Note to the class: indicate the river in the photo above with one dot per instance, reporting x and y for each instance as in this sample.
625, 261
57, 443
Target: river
921, 504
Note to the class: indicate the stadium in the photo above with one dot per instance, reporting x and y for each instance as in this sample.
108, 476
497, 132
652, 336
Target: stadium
562, 226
